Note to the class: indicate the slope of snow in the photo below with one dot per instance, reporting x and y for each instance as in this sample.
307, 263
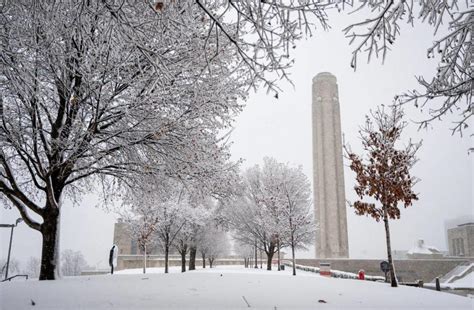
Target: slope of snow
224, 287
467, 281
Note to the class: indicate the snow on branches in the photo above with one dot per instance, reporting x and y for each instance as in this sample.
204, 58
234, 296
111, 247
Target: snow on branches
274, 208
454, 80
94, 90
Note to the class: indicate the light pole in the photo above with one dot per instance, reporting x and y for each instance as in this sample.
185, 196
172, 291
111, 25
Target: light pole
18, 221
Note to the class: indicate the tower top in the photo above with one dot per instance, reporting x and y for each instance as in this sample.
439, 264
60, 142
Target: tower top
325, 76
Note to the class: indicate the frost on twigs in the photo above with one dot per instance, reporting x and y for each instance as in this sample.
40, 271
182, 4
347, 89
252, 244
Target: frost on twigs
98, 92
272, 209
263, 33
451, 89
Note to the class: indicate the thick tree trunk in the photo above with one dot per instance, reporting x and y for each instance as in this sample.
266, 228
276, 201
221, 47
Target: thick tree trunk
183, 261
182, 250
270, 252
192, 258
49, 252
393, 278
203, 260
167, 254
211, 260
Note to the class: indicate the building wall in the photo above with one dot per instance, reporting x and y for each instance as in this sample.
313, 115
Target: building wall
407, 270
461, 240
122, 238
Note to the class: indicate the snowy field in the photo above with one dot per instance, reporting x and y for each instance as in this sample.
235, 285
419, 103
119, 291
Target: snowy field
224, 287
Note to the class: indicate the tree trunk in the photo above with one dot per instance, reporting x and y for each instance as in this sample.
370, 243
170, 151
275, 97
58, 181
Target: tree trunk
192, 258
49, 252
183, 261
167, 252
393, 278
144, 258
182, 250
211, 260
256, 258
203, 260
278, 244
293, 252
270, 252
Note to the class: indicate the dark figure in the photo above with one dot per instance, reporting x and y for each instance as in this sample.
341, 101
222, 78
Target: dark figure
111, 259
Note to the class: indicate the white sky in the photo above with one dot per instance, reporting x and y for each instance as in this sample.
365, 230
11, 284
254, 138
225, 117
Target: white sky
282, 129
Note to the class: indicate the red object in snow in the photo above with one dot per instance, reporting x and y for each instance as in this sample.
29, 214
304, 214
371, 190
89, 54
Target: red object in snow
361, 274
325, 269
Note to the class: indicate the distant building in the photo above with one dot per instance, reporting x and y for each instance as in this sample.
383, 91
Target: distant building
423, 251
461, 240
399, 254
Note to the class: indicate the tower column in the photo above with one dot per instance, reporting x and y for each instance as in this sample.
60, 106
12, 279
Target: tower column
328, 174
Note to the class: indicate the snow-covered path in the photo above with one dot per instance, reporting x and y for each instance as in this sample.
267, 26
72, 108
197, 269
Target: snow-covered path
219, 288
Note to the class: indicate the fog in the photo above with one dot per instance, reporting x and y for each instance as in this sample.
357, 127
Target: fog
281, 128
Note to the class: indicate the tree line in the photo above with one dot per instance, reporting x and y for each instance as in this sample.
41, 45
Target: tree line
267, 208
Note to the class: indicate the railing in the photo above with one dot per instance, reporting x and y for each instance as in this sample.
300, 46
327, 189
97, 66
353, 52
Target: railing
18, 275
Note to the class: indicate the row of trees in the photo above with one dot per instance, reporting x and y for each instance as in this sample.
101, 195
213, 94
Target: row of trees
164, 213
267, 210
72, 264
272, 210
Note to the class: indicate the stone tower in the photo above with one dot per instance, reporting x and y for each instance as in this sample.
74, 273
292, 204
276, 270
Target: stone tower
328, 174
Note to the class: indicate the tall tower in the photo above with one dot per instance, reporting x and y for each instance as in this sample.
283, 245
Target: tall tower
328, 174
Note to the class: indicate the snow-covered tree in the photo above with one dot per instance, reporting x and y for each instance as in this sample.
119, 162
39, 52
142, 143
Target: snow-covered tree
183, 239
72, 263
142, 220
273, 209
212, 242
13, 267
295, 191
383, 173
245, 251
101, 91
219, 246
450, 90
32, 267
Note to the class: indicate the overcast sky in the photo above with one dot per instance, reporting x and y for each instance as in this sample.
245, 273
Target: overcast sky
281, 128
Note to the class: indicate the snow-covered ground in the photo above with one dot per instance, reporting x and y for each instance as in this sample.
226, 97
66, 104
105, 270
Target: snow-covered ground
224, 287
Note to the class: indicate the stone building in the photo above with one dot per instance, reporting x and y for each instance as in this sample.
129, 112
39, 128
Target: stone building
328, 174
423, 251
461, 240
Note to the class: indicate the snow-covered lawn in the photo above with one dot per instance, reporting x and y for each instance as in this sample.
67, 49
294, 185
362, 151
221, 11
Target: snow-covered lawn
224, 287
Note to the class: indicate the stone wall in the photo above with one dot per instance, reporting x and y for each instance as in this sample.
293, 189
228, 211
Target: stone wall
136, 261
407, 270
122, 238
466, 234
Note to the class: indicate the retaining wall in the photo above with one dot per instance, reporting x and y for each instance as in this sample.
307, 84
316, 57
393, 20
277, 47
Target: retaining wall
407, 270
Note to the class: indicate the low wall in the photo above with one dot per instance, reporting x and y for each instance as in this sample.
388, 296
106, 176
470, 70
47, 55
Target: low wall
407, 270
136, 261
